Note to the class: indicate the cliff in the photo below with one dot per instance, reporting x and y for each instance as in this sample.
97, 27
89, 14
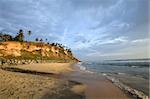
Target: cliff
34, 51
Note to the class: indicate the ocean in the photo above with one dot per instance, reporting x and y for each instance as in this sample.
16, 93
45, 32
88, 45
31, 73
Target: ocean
133, 73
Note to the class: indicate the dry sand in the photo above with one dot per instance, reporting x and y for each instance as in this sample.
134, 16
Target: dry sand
56, 68
15, 85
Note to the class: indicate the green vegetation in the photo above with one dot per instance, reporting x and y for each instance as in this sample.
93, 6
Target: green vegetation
20, 38
27, 55
5, 37
56, 51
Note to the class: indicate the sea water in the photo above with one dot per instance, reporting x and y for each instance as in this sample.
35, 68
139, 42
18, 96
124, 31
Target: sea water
133, 73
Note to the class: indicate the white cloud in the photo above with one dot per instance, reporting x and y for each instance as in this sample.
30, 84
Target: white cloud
121, 39
100, 54
141, 40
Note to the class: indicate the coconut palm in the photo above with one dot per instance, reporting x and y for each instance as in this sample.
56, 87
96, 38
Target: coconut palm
46, 39
29, 32
41, 40
36, 39
20, 36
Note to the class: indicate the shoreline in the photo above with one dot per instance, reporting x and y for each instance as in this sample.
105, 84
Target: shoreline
80, 84
131, 92
98, 86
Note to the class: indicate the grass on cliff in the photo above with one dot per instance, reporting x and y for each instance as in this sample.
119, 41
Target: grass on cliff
28, 55
36, 55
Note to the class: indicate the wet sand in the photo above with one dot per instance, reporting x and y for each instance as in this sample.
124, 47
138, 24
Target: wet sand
97, 86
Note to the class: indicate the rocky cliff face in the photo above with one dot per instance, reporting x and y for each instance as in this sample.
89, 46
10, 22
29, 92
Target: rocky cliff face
32, 50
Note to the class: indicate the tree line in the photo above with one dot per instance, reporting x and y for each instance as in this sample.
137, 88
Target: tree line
20, 38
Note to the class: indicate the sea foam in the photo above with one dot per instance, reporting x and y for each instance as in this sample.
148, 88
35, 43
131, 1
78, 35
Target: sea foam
83, 68
122, 86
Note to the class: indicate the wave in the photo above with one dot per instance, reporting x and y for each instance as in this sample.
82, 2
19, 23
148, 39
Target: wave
121, 73
115, 81
133, 66
130, 64
132, 91
83, 68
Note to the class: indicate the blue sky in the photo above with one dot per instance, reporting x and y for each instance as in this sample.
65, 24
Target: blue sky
94, 29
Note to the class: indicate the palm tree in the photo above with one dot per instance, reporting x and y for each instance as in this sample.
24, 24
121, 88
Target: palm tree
20, 31
29, 32
53, 44
41, 40
46, 39
20, 36
36, 39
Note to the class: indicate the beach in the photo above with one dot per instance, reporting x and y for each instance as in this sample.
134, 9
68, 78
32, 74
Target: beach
55, 81
74, 49
37, 85
98, 86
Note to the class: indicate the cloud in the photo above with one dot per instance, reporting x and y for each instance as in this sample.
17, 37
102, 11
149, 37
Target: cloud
102, 27
140, 40
114, 41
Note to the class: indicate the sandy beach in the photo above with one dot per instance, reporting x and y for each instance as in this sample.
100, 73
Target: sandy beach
54, 68
57, 81
16, 85
74, 49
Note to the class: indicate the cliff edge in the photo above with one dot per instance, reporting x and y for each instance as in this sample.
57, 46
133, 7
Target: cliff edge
34, 51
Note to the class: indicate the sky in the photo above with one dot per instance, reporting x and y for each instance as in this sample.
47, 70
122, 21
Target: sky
94, 29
